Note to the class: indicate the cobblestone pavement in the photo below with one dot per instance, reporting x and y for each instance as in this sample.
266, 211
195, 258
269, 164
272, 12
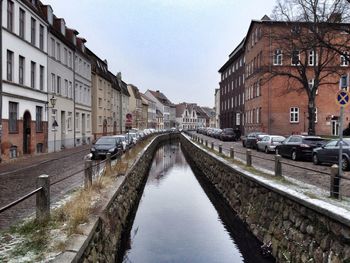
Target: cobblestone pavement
266, 161
19, 178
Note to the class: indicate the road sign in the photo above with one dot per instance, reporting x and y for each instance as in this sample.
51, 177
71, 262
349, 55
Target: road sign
343, 98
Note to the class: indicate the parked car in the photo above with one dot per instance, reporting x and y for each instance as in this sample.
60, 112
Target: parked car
299, 147
216, 133
106, 144
329, 153
269, 142
123, 141
228, 134
252, 138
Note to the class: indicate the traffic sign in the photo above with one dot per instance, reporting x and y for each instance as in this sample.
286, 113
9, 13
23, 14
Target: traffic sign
343, 98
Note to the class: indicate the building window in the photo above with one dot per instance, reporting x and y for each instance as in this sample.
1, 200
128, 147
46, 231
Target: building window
41, 37
238, 118
66, 87
9, 65
312, 58
39, 119
33, 30
295, 57
315, 115
42, 77
88, 121
10, 15
13, 116
53, 83
58, 46
58, 85
65, 56
294, 115
344, 59
22, 17
32, 74
77, 127
69, 121
53, 49
21, 61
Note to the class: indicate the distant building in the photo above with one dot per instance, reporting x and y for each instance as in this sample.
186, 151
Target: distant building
124, 102
151, 112
217, 108
135, 106
186, 116
160, 120
202, 117
211, 113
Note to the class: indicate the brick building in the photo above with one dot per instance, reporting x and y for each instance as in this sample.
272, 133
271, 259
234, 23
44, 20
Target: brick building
232, 90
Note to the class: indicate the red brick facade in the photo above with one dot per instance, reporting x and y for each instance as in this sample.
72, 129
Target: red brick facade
16, 140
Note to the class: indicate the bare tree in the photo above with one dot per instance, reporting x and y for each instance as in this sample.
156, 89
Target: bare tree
310, 41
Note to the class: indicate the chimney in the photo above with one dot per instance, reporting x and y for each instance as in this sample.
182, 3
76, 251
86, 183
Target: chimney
335, 18
105, 61
119, 76
157, 91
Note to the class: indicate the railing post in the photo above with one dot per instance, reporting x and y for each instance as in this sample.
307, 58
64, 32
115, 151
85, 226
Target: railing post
249, 157
232, 153
220, 148
206, 143
335, 180
212, 145
43, 198
108, 164
278, 165
88, 174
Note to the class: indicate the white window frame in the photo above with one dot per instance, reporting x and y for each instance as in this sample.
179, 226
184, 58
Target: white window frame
297, 56
343, 61
294, 115
278, 57
312, 58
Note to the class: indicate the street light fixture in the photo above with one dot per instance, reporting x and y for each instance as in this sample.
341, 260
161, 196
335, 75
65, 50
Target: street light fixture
53, 100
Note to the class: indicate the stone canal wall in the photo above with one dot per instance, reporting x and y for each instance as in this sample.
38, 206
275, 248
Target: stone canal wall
301, 229
104, 241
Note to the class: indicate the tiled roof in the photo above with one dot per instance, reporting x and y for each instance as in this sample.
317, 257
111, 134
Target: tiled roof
161, 97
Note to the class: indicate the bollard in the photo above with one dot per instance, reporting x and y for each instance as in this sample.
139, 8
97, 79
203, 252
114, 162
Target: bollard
335, 182
220, 148
108, 164
43, 198
212, 145
249, 157
88, 174
202, 140
278, 165
206, 143
232, 153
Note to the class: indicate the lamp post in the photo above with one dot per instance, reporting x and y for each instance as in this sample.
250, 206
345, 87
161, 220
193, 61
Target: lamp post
54, 124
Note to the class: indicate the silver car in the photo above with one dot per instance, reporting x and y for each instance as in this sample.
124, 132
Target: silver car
269, 142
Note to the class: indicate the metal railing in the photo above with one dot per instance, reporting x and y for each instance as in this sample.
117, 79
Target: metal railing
277, 162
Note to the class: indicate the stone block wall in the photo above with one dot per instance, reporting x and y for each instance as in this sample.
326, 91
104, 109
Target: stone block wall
299, 231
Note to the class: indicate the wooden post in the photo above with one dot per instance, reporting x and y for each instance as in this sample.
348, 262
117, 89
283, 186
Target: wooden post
88, 174
232, 153
206, 143
220, 148
249, 157
335, 180
212, 145
43, 198
278, 165
108, 164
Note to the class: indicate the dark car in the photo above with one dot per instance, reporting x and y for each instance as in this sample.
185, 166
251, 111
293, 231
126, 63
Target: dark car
228, 134
106, 144
252, 138
299, 147
329, 153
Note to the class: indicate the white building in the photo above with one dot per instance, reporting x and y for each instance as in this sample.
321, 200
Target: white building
124, 102
24, 71
60, 84
186, 116
217, 108
163, 105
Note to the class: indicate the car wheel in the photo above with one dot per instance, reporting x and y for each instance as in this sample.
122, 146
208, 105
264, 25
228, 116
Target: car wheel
267, 150
294, 155
345, 164
315, 159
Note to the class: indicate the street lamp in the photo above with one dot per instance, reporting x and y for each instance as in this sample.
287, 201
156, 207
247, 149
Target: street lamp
53, 100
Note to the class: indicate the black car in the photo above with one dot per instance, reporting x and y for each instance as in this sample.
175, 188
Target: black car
299, 147
329, 153
250, 141
228, 134
106, 144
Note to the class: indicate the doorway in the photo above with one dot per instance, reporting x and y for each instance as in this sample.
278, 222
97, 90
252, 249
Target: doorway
335, 127
27, 120
63, 129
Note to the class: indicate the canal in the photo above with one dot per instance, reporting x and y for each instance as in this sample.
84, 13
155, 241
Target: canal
180, 219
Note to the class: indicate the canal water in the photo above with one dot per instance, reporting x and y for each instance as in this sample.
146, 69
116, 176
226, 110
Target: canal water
176, 221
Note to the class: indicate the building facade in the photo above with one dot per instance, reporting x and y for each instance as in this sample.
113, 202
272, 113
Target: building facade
232, 90
217, 108
24, 85
186, 116
135, 106
125, 123
151, 112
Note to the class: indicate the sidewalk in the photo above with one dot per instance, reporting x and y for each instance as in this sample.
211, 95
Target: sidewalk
34, 160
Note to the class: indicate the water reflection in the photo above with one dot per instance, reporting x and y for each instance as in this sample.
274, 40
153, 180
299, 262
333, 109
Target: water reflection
176, 222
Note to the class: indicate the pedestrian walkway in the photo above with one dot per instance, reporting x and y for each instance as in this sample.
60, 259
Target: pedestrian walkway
34, 160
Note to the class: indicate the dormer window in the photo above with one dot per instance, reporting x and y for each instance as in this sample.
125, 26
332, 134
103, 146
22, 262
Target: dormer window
63, 27
50, 15
82, 47
75, 40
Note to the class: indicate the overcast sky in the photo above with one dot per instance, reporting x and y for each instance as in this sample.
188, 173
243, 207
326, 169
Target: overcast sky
175, 46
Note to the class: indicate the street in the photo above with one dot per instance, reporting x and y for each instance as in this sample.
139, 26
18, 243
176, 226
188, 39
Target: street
304, 171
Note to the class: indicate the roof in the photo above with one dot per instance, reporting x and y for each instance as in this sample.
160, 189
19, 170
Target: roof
209, 111
147, 98
98, 66
201, 113
135, 91
239, 50
180, 108
161, 98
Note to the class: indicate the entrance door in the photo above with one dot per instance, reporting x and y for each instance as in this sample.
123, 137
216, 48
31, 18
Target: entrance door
83, 127
335, 127
63, 128
27, 119
115, 128
104, 131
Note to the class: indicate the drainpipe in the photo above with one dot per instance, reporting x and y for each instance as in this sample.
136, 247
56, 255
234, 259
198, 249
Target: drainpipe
269, 87
1, 63
73, 88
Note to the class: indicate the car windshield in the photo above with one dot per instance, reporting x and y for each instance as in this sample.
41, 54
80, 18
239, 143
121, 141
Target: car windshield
278, 139
106, 141
313, 140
